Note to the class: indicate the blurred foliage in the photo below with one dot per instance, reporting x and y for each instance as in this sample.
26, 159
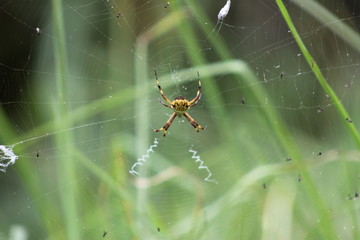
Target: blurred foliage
81, 96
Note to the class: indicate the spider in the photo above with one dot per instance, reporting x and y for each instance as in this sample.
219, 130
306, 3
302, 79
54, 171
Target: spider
180, 105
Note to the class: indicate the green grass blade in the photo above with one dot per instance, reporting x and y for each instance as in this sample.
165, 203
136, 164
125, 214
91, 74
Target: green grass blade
320, 77
142, 90
66, 171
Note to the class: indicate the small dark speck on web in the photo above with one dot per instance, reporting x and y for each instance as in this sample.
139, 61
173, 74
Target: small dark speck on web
356, 196
243, 101
118, 15
104, 234
320, 153
349, 120
288, 159
299, 178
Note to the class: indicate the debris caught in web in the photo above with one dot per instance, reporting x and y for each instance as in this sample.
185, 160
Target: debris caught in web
7, 157
224, 11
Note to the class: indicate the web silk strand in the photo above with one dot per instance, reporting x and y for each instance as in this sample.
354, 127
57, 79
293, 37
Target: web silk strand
202, 165
140, 162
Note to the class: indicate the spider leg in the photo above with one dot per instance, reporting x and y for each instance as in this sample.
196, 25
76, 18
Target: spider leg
161, 91
198, 95
167, 124
193, 122
165, 104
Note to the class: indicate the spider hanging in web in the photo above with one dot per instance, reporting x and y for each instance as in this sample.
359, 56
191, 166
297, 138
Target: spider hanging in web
180, 105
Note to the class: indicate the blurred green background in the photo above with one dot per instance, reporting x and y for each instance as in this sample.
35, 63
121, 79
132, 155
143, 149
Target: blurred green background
79, 101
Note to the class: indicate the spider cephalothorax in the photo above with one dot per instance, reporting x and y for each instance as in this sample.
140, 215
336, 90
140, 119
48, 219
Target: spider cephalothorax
180, 105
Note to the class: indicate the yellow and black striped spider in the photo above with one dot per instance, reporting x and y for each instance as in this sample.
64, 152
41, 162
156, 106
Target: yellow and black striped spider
180, 105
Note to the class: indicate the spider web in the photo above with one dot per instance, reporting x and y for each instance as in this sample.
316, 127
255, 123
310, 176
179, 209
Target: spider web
78, 112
